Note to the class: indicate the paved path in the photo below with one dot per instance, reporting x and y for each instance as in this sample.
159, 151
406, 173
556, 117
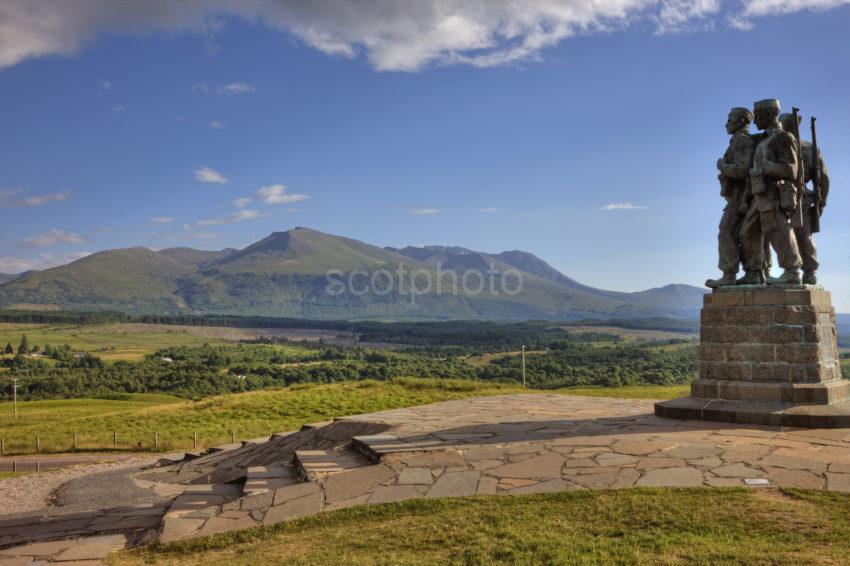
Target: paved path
57, 461
489, 445
102, 491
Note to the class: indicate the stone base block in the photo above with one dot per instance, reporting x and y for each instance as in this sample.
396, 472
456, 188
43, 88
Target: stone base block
836, 415
827, 393
768, 355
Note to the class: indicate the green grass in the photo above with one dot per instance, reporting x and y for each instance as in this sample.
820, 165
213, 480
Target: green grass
633, 526
135, 418
9, 475
630, 391
109, 342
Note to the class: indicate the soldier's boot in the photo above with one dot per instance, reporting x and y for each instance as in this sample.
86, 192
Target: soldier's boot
788, 277
751, 278
810, 278
727, 279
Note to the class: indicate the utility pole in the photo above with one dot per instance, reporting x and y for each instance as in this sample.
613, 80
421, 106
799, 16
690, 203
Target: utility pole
15, 395
523, 366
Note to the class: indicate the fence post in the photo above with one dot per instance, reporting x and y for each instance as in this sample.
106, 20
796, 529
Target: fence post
194, 441
233, 438
38, 465
114, 439
37, 444
75, 441
2, 446
156, 441
14, 465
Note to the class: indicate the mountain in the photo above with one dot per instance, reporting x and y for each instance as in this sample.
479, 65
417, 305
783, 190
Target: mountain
6, 277
311, 274
675, 300
195, 257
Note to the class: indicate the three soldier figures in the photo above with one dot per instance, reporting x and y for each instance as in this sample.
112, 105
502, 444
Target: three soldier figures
763, 179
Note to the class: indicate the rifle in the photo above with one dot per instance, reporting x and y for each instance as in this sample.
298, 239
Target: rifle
801, 171
817, 210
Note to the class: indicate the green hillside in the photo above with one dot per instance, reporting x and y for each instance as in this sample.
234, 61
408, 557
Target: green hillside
133, 279
287, 274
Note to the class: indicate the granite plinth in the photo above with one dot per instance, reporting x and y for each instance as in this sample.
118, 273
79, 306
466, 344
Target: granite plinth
768, 355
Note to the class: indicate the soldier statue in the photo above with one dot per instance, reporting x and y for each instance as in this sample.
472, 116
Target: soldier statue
775, 198
734, 168
812, 204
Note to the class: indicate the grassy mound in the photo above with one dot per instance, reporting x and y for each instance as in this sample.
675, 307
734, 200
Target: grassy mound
633, 526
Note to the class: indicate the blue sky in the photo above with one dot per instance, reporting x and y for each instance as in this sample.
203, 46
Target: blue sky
213, 130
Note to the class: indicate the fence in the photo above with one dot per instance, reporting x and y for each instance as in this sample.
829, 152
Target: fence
115, 441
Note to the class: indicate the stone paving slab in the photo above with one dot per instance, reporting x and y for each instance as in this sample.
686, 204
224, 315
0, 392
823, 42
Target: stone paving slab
88, 550
510, 444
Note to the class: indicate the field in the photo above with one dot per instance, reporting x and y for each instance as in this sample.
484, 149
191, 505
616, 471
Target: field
704, 526
133, 341
135, 418
636, 334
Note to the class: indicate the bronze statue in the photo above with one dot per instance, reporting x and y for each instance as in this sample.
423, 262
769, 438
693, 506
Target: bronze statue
811, 203
734, 168
775, 198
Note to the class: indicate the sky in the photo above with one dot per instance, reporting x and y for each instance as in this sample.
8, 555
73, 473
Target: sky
585, 133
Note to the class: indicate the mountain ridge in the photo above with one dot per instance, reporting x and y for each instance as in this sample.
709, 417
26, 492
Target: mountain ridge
296, 272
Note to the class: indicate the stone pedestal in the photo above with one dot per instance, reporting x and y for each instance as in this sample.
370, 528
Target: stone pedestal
767, 356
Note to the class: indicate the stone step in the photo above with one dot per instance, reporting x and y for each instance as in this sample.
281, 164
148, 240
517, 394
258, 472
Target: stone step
375, 446
224, 447
311, 465
260, 479
316, 425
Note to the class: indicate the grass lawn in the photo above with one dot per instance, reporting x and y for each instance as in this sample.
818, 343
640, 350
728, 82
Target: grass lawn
633, 526
137, 417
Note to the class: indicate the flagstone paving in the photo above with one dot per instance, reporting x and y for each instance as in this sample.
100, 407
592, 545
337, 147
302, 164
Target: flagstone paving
490, 445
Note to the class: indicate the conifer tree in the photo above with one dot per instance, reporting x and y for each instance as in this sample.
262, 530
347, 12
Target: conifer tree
9, 349
24, 347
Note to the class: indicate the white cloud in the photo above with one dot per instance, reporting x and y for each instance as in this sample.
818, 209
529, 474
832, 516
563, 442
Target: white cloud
491, 210
36, 200
238, 216
52, 237
157, 220
232, 88
424, 211
43, 261
207, 175
271, 194
394, 35
274, 194
676, 16
622, 206
776, 7
236, 88
104, 84
117, 108
217, 125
